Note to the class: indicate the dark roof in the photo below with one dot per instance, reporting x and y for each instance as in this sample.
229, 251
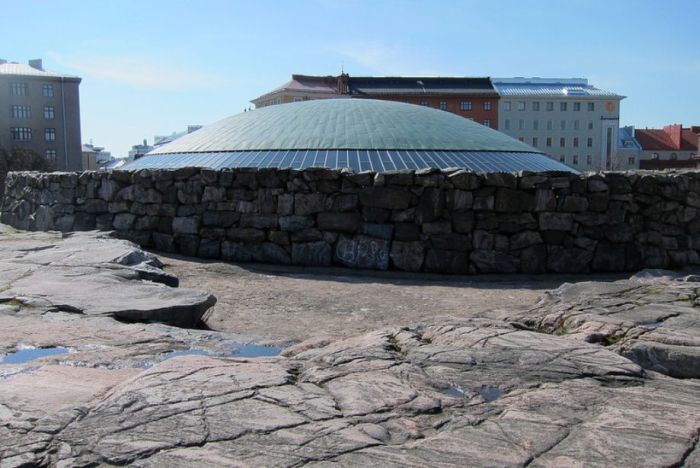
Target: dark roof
653, 139
419, 85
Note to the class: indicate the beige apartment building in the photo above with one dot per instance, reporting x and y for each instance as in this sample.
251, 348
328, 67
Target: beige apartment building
40, 111
568, 119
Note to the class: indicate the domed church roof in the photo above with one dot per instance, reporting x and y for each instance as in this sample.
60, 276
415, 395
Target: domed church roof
360, 134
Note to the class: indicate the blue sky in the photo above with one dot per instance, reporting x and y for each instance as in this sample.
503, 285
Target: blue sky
153, 67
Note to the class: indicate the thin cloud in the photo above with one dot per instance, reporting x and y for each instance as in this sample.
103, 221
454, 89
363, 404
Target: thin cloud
139, 72
383, 58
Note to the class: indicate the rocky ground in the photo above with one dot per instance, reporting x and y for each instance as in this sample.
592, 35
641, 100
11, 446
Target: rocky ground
593, 374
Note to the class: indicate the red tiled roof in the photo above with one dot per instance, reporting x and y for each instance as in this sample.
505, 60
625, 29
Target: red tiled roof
654, 139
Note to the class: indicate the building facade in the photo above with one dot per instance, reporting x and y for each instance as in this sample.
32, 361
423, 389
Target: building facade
304, 88
473, 98
568, 119
40, 111
670, 147
629, 152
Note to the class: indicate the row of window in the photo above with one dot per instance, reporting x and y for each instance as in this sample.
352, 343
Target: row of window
589, 160
562, 142
549, 106
25, 134
22, 89
465, 106
575, 124
25, 112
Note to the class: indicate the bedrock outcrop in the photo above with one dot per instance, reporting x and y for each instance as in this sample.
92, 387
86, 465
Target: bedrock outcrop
482, 391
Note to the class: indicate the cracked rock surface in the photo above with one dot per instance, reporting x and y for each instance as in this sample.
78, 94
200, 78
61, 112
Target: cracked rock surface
505, 389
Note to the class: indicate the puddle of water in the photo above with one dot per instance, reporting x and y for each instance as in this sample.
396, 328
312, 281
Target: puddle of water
254, 350
490, 393
454, 391
652, 325
186, 352
237, 350
29, 354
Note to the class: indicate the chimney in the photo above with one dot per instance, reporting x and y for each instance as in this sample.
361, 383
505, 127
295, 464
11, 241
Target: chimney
674, 133
36, 64
144, 142
343, 83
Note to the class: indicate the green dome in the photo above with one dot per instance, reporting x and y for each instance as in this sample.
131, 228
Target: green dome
344, 124
357, 134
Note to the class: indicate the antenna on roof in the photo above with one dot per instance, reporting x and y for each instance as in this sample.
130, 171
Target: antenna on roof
342, 70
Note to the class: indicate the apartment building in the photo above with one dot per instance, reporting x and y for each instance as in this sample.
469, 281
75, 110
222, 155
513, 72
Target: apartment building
473, 98
671, 147
568, 119
304, 88
40, 111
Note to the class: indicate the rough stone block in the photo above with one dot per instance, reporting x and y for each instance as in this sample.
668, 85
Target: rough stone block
334, 221
311, 253
407, 256
386, 197
363, 252
493, 261
446, 261
249, 235
309, 203
186, 225
556, 221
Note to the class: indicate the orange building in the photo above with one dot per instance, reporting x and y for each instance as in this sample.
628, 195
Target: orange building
473, 98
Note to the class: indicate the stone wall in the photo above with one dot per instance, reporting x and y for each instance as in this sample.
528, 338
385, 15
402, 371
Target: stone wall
448, 222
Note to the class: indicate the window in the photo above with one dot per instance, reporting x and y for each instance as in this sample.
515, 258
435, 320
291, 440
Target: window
47, 90
589, 142
424, 103
536, 106
50, 134
591, 106
535, 124
51, 155
18, 89
465, 106
562, 106
589, 159
521, 124
550, 106
487, 105
49, 112
297, 99
562, 159
506, 106
576, 159
562, 125
562, 142
506, 124
577, 107
521, 139
630, 160
21, 112
521, 105
443, 105
654, 155
674, 156
575, 142
21, 133
575, 124
549, 142
535, 143
487, 123
549, 125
